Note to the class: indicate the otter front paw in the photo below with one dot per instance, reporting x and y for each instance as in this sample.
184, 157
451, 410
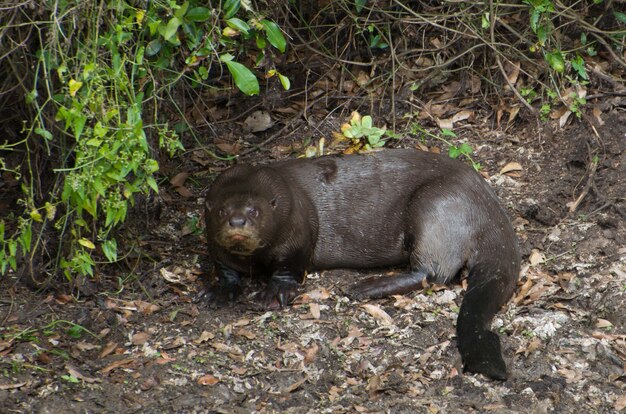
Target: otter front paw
482, 355
219, 295
281, 290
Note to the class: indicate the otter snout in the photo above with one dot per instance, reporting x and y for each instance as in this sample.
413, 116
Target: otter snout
237, 221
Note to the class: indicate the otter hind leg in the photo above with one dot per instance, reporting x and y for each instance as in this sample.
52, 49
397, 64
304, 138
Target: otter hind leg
479, 347
380, 287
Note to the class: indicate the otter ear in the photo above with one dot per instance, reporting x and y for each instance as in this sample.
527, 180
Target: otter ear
273, 202
208, 205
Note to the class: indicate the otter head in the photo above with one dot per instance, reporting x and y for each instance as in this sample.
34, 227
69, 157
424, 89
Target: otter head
241, 223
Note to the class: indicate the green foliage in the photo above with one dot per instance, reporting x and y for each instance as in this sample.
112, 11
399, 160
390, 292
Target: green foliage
541, 14
92, 90
362, 132
445, 136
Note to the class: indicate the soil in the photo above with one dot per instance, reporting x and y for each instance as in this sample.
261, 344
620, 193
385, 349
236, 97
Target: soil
145, 346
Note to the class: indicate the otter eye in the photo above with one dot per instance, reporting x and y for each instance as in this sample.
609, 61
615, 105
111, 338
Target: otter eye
253, 212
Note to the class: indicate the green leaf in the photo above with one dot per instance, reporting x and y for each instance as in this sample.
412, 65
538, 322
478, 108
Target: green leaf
153, 47
198, 14
274, 35
44, 133
556, 61
359, 4
578, 65
454, 151
448, 133
230, 8
243, 77
239, 25
109, 248
620, 16
168, 31
366, 121
284, 81
152, 183
75, 331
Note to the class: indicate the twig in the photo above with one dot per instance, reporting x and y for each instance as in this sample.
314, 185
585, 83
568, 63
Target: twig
492, 24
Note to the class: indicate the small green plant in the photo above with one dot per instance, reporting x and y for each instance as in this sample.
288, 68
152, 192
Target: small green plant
70, 378
454, 150
363, 133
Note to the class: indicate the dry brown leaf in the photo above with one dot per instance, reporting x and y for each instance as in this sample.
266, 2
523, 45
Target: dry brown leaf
513, 72
108, 349
373, 386
532, 346
245, 333
603, 323
314, 310
462, 115
140, 338
620, 403
146, 308
204, 336
536, 257
378, 314
310, 354
62, 299
201, 158
222, 347
208, 380
179, 179
511, 166
291, 388
77, 374
444, 123
12, 386
258, 121
564, 118
597, 113
184, 192
403, 302
228, 148
117, 364
494, 407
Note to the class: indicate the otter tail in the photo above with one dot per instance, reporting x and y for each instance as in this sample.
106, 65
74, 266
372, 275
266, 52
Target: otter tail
490, 287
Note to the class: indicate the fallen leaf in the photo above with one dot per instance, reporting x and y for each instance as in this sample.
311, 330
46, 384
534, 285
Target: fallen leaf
462, 115
447, 123
179, 179
603, 323
77, 374
62, 299
378, 314
204, 336
117, 364
536, 257
108, 349
258, 121
314, 310
12, 386
208, 380
245, 333
291, 388
511, 166
146, 308
140, 338
311, 354
184, 192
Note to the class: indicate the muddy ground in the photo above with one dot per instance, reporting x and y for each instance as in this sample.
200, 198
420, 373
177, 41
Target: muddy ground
146, 347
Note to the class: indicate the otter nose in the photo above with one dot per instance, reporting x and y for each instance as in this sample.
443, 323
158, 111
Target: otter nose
237, 221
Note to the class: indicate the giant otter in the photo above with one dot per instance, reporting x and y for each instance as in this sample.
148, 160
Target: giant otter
385, 208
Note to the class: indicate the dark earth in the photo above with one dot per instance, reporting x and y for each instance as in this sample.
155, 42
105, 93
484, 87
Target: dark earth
147, 347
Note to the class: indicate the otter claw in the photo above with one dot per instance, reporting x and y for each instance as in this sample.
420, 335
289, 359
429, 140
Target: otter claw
279, 294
